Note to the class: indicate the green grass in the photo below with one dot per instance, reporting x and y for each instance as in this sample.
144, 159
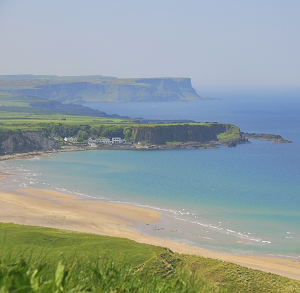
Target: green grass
51, 260
232, 132
10, 100
88, 275
172, 142
10, 118
18, 109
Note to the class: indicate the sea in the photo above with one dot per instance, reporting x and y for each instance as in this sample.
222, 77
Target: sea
243, 200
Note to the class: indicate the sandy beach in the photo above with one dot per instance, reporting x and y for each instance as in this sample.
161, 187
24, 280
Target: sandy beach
47, 208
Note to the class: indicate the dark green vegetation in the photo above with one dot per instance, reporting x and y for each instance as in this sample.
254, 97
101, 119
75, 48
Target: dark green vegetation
99, 88
37, 259
184, 132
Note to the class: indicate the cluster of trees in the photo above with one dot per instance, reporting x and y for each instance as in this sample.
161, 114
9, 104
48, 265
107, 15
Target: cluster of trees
83, 132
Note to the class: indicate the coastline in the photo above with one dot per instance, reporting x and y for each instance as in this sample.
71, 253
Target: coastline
39, 207
243, 139
169, 146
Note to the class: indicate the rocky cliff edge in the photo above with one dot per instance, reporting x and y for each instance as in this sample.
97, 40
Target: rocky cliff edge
28, 141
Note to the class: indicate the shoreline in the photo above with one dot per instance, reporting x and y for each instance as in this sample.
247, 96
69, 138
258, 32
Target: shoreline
232, 142
40, 207
169, 146
172, 146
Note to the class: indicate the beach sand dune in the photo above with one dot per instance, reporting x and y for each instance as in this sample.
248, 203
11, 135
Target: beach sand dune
57, 210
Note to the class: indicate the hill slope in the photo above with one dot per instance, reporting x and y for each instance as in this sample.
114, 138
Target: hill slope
41, 249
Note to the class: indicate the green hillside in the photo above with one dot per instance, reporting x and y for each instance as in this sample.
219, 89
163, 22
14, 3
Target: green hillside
24, 105
37, 259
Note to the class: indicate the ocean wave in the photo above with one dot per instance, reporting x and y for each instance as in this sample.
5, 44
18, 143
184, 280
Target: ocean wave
227, 231
35, 158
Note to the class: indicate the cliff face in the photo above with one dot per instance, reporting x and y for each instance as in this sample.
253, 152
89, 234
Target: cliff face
115, 90
22, 142
181, 133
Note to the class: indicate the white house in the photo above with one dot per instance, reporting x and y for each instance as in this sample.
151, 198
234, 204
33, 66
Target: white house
90, 140
117, 140
70, 139
104, 140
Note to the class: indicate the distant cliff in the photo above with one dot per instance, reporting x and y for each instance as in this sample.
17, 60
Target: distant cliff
28, 141
81, 90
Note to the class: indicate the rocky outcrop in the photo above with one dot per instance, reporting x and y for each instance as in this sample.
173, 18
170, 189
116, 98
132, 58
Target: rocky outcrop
266, 137
160, 134
28, 141
233, 142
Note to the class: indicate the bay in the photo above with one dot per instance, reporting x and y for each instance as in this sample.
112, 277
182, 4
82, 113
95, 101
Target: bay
241, 200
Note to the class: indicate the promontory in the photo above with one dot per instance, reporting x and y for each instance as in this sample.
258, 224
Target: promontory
97, 88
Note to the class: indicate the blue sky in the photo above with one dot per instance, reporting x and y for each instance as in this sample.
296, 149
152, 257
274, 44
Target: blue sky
216, 43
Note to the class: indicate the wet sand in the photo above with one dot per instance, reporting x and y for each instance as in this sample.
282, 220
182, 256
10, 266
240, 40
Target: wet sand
47, 208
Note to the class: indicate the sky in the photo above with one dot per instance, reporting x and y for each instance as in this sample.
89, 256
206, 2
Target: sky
247, 43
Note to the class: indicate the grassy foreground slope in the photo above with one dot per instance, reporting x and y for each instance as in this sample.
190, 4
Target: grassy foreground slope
51, 260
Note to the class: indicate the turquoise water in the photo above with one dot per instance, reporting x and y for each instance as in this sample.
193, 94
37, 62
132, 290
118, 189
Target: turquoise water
242, 200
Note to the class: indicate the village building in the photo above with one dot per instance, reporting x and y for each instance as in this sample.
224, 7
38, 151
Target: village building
117, 140
70, 139
90, 140
105, 140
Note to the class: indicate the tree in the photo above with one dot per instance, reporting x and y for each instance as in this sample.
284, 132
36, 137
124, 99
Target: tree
82, 135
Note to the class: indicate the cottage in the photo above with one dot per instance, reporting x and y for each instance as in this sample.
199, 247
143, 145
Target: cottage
117, 140
70, 139
90, 140
105, 140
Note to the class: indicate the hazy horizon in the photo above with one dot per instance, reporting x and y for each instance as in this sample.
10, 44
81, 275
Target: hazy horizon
224, 45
